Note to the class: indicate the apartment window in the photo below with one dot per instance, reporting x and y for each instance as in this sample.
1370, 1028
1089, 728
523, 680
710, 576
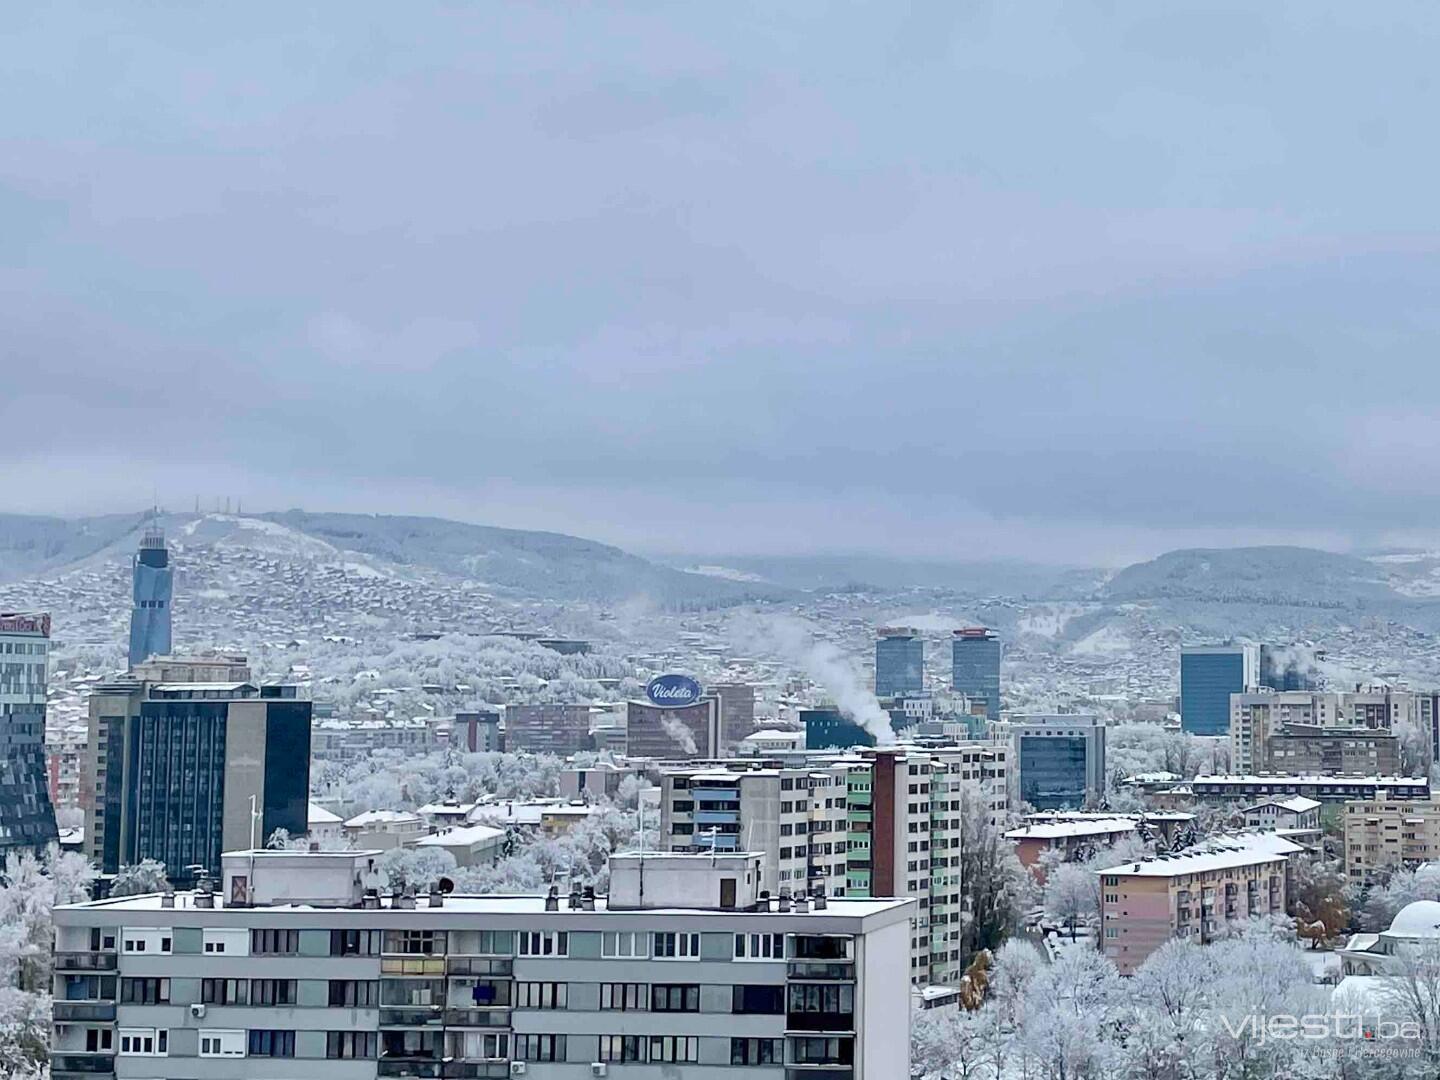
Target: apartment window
351, 1044
97, 1039
355, 942
759, 946
810, 1050
144, 991
220, 942
622, 1047
354, 993
540, 995
757, 1051
674, 1048
540, 1047
146, 941
672, 946
272, 991
832, 999
674, 997
100, 940
758, 999
219, 1043
274, 942
267, 1043
145, 1042
494, 942
624, 944
415, 942
225, 991
544, 943
623, 996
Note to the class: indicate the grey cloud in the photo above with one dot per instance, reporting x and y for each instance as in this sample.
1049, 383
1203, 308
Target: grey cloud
1111, 276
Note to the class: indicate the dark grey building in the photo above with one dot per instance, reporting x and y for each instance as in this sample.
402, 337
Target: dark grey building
177, 765
975, 667
27, 819
547, 729
1209, 674
1059, 759
899, 662
153, 586
737, 713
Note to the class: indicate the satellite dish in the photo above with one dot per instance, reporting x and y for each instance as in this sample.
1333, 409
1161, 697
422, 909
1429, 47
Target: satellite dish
445, 885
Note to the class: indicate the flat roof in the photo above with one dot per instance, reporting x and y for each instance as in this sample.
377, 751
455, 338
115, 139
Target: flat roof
460, 836
835, 907
1219, 857
1054, 830
1251, 778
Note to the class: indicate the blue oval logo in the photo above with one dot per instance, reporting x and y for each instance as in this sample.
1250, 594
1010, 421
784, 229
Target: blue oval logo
672, 691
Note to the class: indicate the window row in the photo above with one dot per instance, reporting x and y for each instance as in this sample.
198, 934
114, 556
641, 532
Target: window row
661, 1048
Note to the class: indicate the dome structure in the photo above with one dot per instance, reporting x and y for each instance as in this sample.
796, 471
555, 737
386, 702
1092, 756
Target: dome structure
1420, 919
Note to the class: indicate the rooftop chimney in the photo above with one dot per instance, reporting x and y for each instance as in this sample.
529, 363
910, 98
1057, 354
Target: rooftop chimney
167, 899
784, 904
552, 899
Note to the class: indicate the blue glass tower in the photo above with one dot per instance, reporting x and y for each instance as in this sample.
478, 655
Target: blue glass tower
975, 667
153, 584
899, 663
1209, 674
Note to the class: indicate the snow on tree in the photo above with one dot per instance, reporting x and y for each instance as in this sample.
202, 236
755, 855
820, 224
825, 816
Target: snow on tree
1383, 901
416, 868
951, 1041
146, 876
1072, 896
993, 884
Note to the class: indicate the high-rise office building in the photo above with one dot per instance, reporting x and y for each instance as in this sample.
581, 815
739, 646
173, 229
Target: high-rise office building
1209, 674
666, 733
737, 713
291, 968
830, 729
899, 662
547, 729
975, 667
1059, 759
1285, 668
153, 586
27, 820
177, 765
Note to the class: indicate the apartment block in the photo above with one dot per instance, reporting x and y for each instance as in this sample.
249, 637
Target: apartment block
1385, 833
27, 818
873, 823
1312, 731
1193, 894
1253, 788
293, 968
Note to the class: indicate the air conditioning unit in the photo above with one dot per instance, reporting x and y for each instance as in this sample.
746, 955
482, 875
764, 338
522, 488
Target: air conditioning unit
197, 1011
599, 1068
517, 1068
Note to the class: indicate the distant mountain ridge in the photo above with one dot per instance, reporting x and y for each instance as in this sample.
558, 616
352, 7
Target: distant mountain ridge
540, 564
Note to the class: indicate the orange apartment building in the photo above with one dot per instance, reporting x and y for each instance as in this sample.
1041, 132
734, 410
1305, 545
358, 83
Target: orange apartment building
1189, 894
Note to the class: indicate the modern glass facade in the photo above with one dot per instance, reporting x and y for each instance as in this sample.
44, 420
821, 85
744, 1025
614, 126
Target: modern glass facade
1052, 771
828, 729
975, 668
153, 587
1209, 674
177, 799
27, 819
899, 664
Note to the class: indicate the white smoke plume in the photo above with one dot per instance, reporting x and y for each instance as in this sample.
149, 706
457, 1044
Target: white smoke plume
796, 642
680, 733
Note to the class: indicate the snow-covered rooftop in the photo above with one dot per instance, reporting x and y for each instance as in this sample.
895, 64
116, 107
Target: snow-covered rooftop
318, 815
462, 836
1055, 830
1420, 919
1196, 861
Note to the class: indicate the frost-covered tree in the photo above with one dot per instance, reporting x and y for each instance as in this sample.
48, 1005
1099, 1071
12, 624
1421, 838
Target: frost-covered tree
952, 1042
1383, 901
146, 876
1071, 896
993, 884
416, 868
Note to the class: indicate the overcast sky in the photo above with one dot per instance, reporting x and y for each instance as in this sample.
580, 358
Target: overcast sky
1070, 281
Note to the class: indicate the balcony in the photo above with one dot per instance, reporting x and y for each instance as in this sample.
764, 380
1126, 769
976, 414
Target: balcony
837, 1023
479, 965
412, 1016
88, 1065
475, 1070
408, 1067
830, 971
476, 1017
70, 1011
85, 961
